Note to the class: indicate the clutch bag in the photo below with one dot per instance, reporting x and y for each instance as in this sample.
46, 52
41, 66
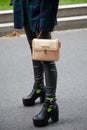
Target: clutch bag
46, 49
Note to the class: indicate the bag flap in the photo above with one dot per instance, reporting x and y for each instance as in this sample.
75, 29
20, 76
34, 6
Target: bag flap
46, 44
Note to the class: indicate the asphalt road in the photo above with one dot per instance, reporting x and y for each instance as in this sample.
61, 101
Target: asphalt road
16, 80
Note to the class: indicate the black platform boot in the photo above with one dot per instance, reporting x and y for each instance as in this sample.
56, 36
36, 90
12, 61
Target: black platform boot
49, 110
37, 92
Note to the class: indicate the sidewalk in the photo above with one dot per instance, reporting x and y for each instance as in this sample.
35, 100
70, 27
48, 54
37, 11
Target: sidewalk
16, 78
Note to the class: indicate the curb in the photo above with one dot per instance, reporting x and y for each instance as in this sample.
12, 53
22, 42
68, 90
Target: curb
69, 17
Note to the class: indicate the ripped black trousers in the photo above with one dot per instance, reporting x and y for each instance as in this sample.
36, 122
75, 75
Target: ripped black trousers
47, 67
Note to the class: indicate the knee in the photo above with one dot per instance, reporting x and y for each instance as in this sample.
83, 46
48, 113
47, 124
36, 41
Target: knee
49, 65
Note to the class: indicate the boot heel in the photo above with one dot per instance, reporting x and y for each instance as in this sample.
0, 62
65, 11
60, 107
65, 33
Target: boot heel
55, 115
42, 98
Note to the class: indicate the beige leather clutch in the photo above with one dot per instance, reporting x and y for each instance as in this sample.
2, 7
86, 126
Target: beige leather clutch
46, 49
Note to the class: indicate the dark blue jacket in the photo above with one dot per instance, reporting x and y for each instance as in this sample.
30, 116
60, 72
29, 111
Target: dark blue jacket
41, 14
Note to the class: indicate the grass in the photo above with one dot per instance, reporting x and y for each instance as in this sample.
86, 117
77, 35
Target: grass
4, 4
65, 2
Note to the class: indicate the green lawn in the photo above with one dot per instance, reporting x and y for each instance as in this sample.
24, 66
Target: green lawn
4, 4
64, 2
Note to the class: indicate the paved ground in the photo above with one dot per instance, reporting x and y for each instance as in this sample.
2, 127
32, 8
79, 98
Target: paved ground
16, 81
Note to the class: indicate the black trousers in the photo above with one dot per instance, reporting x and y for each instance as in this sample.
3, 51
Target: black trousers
49, 68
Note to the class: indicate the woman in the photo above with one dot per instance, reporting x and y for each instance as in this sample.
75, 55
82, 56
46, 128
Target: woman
38, 17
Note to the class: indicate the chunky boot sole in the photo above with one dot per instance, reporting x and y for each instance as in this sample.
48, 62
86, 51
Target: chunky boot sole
29, 102
54, 115
40, 123
35, 94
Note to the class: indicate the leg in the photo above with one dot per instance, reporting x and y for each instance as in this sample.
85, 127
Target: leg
51, 78
37, 65
38, 87
50, 108
48, 11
